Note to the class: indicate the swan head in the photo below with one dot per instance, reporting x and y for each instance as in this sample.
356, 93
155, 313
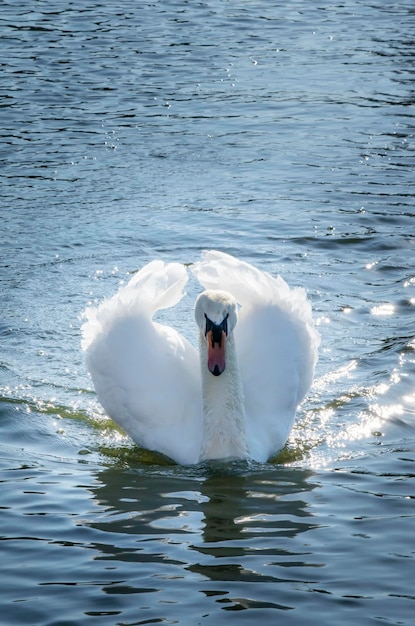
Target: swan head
216, 315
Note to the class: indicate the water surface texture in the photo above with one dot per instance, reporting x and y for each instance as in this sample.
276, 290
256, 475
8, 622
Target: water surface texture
282, 133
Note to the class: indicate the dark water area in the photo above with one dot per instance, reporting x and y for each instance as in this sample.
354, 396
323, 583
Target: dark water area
283, 135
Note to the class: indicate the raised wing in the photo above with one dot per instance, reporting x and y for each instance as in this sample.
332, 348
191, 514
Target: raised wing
276, 344
146, 375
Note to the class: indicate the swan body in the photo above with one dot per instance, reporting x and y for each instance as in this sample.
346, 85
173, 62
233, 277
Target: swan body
237, 398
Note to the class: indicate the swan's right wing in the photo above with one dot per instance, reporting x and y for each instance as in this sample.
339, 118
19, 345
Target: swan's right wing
146, 375
276, 345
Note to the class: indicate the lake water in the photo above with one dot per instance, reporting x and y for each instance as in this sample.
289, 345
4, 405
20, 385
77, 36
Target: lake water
282, 133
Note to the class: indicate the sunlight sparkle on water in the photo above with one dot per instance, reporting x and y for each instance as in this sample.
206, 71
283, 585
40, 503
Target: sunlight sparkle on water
332, 377
387, 412
383, 309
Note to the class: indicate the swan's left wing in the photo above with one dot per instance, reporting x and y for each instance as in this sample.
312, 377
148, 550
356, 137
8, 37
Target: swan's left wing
146, 375
276, 346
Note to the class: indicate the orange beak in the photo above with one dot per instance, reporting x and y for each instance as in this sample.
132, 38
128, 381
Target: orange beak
216, 353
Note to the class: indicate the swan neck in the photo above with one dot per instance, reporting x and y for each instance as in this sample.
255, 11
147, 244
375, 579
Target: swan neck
224, 431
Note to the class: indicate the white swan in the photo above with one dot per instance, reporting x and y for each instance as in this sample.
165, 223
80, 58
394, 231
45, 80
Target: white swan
256, 364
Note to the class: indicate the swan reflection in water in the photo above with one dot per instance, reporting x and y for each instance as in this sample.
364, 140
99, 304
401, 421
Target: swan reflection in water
216, 526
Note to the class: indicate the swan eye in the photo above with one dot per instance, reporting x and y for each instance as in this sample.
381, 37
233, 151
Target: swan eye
217, 329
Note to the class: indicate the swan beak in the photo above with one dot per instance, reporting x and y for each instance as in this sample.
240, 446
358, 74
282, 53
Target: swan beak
216, 353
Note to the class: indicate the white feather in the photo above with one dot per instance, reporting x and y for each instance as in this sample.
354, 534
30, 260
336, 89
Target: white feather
146, 375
